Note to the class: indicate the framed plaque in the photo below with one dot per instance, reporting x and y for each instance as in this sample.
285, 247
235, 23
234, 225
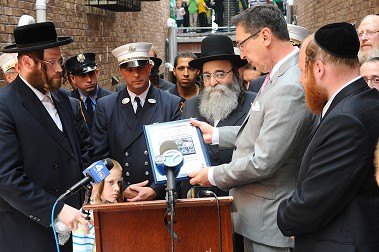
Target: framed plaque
187, 139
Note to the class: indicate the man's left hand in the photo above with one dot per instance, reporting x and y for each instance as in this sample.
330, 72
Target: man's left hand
143, 193
199, 177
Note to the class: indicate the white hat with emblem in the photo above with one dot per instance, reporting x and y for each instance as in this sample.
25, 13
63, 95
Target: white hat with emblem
8, 60
133, 54
297, 33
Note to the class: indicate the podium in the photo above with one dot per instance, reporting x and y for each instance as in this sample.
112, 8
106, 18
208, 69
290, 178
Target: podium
139, 226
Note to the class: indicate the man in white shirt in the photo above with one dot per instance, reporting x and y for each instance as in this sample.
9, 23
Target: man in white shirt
40, 152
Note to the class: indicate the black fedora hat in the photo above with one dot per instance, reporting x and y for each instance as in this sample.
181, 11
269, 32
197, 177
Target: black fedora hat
35, 37
217, 47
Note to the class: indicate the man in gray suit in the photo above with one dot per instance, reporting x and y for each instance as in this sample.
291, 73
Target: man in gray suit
270, 143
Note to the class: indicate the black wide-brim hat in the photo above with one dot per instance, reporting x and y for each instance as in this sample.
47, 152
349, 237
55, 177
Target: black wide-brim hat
217, 47
36, 37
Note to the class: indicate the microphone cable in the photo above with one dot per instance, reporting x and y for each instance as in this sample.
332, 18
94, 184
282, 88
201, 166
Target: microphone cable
53, 226
210, 193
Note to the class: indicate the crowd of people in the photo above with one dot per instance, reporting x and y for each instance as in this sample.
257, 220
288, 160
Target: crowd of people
297, 155
190, 15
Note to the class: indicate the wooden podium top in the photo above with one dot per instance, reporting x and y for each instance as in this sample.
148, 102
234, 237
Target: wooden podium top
139, 226
158, 204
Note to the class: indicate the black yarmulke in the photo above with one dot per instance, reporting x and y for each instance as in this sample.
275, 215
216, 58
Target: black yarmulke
338, 39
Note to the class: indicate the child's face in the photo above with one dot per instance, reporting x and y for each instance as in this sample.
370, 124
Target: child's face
112, 185
178, 4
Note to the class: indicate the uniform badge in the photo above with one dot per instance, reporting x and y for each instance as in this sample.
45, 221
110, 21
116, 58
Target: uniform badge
125, 101
152, 101
80, 58
131, 48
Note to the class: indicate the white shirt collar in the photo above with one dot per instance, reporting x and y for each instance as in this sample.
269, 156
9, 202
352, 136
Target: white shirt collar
141, 96
280, 63
327, 105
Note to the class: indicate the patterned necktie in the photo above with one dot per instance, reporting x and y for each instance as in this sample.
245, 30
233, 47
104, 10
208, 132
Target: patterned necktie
89, 108
139, 106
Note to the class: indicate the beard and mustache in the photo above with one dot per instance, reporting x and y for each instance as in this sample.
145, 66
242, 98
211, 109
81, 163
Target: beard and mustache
39, 79
218, 102
315, 96
363, 56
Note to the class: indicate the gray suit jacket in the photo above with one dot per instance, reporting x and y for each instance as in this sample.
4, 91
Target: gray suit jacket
268, 150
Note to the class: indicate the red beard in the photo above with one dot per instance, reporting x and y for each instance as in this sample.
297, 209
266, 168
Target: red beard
315, 96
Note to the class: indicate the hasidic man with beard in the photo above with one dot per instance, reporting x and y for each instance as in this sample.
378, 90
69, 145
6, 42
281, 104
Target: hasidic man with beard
39, 145
269, 144
368, 34
335, 205
222, 101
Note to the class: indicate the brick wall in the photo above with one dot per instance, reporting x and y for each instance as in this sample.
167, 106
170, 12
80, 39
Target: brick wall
316, 13
93, 29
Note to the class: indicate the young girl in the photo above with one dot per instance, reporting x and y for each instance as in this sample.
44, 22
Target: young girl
107, 191
179, 13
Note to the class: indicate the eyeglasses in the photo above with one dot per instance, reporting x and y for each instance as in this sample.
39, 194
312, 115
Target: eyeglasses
217, 75
240, 45
52, 63
368, 33
373, 81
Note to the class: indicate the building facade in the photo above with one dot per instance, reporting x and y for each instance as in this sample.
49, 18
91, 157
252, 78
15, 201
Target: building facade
93, 29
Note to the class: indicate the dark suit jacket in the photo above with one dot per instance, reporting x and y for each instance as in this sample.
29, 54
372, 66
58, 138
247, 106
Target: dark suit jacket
335, 206
119, 135
100, 93
236, 118
38, 163
83, 132
256, 84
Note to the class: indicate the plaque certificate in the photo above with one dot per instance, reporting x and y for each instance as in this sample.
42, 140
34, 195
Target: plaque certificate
190, 143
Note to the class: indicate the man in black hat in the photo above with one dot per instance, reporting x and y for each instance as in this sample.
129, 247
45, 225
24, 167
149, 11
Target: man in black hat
269, 144
222, 101
118, 125
83, 72
335, 206
40, 153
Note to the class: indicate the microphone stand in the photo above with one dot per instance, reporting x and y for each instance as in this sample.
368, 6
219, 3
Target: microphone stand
87, 200
171, 197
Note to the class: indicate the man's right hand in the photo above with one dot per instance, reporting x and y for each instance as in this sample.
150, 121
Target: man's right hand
71, 217
205, 128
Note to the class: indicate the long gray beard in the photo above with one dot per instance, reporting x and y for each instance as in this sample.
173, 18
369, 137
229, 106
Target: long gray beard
366, 55
217, 103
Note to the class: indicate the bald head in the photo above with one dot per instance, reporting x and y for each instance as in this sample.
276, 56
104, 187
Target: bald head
302, 57
368, 32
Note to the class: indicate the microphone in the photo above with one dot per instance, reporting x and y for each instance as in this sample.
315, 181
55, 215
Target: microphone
95, 173
169, 162
201, 192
